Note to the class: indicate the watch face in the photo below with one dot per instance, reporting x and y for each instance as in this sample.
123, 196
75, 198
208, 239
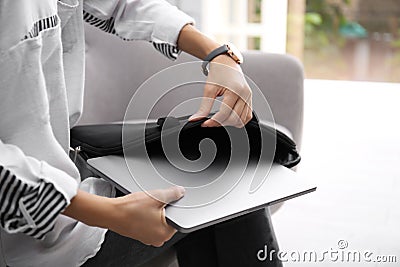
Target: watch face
235, 53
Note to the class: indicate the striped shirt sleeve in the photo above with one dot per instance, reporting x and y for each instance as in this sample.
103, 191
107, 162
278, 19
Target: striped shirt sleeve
32, 192
27, 208
153, 20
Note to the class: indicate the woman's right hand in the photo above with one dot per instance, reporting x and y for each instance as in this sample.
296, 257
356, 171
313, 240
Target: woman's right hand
139, 215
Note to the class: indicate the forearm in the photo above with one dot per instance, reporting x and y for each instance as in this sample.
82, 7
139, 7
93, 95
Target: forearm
195, 43
137, 215
91, 209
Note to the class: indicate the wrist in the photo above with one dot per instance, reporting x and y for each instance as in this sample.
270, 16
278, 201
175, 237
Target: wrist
220, 55
226, 60
91, 209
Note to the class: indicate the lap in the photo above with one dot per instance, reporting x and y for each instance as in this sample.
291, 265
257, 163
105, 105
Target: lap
122, 251
229, 243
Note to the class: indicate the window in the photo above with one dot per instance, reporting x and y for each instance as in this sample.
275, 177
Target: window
346, 39
254, 11
335, 39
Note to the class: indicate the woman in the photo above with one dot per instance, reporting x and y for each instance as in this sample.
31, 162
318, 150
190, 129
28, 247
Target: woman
48, 216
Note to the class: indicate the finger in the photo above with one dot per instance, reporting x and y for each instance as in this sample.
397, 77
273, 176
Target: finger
249, 103
168, 195
244, 116
235, 118
207, 102
224, 112
250, 109
166, 234
249, 114
170, 233
158, 244
169, 230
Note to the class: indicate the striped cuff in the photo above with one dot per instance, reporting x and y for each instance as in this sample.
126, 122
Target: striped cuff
106, 25
167, 29
42, 25
169, 32
29, 209
170, 51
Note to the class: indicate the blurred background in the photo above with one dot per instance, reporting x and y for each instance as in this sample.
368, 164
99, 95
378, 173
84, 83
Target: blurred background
335, 39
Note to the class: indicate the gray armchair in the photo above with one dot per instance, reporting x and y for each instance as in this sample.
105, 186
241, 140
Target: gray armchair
115, 69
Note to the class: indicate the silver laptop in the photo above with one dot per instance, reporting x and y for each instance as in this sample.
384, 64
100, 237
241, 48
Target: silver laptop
212, 196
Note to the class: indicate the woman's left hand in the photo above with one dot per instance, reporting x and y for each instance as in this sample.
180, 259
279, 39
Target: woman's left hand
226, 79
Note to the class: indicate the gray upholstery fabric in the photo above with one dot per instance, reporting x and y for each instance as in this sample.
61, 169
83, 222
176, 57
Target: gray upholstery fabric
114, 69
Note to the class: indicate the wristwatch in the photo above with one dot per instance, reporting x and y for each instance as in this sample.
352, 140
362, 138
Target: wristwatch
228, 49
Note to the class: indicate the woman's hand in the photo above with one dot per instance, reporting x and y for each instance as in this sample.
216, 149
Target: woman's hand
139, 215
142, 216
225, 79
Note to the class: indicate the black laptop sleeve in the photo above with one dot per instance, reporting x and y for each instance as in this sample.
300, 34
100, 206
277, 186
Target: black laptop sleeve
90, 141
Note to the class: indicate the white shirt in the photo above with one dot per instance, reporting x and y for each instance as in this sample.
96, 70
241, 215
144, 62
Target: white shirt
41, 94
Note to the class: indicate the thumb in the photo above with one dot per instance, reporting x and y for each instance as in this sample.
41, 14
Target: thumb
206, 103
169, 195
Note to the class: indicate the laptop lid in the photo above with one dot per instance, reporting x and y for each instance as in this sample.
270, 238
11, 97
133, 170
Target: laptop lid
212, 196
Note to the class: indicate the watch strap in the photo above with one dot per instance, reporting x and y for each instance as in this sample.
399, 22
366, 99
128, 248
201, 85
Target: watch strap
216, 52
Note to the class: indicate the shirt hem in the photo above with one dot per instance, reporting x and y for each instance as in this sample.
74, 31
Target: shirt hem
95, 251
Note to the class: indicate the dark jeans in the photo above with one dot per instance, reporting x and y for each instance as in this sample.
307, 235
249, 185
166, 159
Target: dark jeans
231, 243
